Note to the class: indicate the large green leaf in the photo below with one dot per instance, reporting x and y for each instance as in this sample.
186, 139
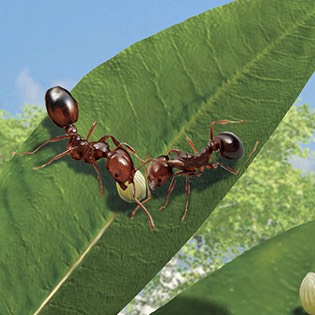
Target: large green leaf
265, 280
247, 60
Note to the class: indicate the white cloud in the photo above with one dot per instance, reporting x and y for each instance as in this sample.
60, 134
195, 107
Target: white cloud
67, 83
305, 164
32, 92
29, 89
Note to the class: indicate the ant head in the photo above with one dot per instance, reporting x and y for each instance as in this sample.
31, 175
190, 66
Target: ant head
159, 172
61, 107
120, 166
230, 145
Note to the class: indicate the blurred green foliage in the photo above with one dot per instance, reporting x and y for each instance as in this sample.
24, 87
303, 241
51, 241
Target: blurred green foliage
14, 130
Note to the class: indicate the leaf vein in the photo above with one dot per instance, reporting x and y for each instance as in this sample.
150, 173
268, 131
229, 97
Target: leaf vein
157, 87
129, 101
107, 223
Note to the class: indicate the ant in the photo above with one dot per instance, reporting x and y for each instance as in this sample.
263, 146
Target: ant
227, 144
63, 110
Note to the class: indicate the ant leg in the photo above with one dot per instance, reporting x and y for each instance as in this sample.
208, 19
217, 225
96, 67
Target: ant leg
98, 177
115, 141
143, 202
143, 207
126, 145
187, 198
170, 189
215, 165
131, 150
91, 130
254, 149
43, 144
173, 151
200, 170
223, 122
172, 185
120, 144
57, 157
134, 212
148, 160
192, 144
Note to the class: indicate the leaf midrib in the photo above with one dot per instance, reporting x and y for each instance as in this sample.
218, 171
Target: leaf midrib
77, 262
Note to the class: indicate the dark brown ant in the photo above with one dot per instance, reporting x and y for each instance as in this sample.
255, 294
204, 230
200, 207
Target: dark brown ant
63, 110
227, 144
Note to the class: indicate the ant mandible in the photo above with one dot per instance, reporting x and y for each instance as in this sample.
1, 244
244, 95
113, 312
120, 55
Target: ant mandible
227, 144
63, 110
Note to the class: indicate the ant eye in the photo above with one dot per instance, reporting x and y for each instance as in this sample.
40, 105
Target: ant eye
116, 174
159, 180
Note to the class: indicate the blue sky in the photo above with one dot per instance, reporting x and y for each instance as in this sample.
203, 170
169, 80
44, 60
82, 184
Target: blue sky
44, 43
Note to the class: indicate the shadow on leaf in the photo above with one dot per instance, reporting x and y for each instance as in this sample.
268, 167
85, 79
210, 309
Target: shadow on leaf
188, 305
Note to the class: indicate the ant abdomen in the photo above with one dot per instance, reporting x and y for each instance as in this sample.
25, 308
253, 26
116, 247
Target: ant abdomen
231, 146
61, 107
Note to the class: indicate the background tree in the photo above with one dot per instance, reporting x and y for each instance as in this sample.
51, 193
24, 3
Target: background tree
271, 197
14, 130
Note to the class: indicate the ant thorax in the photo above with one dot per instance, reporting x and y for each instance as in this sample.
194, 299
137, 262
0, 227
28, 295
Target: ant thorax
214, 145
80, 148
100, 149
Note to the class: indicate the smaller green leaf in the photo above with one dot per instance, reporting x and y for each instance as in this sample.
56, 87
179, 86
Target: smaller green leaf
264, 280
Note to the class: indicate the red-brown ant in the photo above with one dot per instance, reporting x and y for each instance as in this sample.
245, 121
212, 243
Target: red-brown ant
227, 144
63, 110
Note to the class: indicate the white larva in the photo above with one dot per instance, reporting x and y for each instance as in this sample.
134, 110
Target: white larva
307, 293
141, 188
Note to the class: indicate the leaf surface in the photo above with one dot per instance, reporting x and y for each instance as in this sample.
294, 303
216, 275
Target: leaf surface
64, 250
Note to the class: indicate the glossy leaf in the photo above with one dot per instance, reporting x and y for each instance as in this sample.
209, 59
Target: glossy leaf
64, 249
264, 280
